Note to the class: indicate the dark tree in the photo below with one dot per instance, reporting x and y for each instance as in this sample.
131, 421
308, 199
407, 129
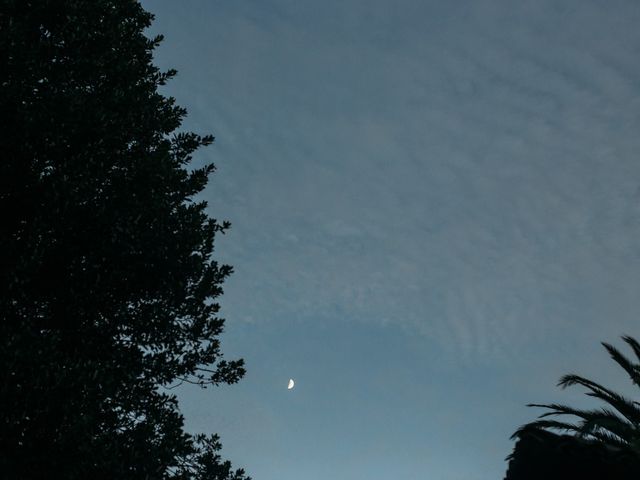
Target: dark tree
617, 425
107, 284
604, 442
543, 455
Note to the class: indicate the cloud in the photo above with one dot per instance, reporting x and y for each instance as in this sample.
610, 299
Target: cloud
467, 172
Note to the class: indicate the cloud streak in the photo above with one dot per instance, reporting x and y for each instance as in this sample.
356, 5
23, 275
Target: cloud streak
472, 176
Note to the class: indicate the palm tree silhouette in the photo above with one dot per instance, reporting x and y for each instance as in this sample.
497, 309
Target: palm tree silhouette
617, 425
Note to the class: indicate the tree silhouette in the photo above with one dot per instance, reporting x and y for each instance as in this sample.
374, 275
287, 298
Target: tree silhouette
107, 277
604, 440
618, 426
540, 454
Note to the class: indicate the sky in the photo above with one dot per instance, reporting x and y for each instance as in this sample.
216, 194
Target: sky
436, 214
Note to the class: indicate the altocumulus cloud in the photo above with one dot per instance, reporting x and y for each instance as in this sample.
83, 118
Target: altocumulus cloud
469, 172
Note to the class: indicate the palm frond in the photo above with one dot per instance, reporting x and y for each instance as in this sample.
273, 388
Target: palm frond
599, 423
629, 409
633, 343
573, 379
624, 362
593, 420
606, 438
604, 420
618, 426
544, 424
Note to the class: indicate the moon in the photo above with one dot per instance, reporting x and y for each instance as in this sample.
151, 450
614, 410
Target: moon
291, 384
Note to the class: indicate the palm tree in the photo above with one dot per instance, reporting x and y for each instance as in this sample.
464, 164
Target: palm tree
617, 425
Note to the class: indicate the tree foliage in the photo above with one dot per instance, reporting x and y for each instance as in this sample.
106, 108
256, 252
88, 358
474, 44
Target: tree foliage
107, 277
616, 426
541, 454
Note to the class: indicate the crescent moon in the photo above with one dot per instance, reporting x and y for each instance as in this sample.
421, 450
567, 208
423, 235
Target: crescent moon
291, 384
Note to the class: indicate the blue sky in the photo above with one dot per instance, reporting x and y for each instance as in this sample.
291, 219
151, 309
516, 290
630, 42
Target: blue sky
436, 213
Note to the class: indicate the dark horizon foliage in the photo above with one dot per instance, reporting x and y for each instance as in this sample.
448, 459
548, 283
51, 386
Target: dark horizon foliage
541, 454
108, 282
612, 432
